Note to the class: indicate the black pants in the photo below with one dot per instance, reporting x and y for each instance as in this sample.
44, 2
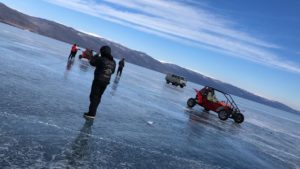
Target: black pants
120, 69
98, 88
72, 55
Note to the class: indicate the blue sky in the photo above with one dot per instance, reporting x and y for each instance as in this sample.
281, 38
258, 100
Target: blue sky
251, 44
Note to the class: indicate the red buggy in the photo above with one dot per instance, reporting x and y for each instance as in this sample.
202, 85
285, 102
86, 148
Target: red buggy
87, 54
225, 109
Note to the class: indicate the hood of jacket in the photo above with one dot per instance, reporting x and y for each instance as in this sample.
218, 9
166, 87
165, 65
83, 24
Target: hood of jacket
105, 51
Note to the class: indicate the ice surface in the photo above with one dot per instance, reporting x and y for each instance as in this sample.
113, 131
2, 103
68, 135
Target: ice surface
141, 122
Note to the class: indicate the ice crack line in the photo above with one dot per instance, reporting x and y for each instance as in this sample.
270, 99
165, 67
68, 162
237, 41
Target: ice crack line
32, 120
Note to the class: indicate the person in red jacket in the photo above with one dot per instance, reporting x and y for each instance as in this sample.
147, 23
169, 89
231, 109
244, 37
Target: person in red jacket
74, 50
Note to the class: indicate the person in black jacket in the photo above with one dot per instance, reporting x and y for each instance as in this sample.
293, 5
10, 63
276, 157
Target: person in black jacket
105, 67
121, 66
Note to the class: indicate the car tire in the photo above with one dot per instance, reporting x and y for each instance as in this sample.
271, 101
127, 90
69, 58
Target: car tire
223, 115
238, 117
191, 102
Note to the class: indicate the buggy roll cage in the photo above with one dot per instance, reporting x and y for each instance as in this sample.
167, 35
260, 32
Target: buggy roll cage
228, 98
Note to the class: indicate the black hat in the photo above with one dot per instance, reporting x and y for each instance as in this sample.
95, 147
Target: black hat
105, 50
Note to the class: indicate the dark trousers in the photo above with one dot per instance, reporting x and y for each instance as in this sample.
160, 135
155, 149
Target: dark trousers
98, 88
72, 55
120, 69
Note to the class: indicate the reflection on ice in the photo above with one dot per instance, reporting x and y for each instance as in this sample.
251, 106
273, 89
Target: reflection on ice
115, 85
70, 64
84, 65
81, 147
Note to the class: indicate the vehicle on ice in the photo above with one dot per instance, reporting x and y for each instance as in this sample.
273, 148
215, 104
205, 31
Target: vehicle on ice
87, 54
175, 80
226, 109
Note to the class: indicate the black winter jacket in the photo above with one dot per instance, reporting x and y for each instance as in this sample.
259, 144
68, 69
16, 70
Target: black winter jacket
105, 67
121, 63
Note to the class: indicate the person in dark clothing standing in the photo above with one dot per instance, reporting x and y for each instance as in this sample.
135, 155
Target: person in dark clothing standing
121, 66
73, 53
105, 67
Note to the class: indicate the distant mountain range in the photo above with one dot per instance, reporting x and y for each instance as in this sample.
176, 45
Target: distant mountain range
69, 35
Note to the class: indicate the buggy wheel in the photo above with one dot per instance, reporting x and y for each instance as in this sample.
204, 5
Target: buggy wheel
223, 115
238, 117
168, 81
191, 102
181, 86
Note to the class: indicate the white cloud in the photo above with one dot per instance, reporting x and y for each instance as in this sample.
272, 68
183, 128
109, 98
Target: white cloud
185, 24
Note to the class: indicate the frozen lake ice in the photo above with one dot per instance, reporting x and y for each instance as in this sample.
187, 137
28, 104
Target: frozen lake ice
141, 122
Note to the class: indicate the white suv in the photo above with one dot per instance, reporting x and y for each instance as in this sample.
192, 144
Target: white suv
175, 80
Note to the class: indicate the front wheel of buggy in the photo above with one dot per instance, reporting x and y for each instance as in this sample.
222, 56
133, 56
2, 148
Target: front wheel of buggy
191, 102
223, 115
238, 117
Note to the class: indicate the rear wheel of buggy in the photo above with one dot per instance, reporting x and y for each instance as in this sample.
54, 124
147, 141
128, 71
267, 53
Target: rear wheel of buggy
191, 102
238, 117
181, 86
223, 115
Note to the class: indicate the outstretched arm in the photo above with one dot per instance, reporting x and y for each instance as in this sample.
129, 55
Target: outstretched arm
93, 60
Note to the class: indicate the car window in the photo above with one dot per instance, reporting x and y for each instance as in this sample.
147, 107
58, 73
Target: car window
177, 77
